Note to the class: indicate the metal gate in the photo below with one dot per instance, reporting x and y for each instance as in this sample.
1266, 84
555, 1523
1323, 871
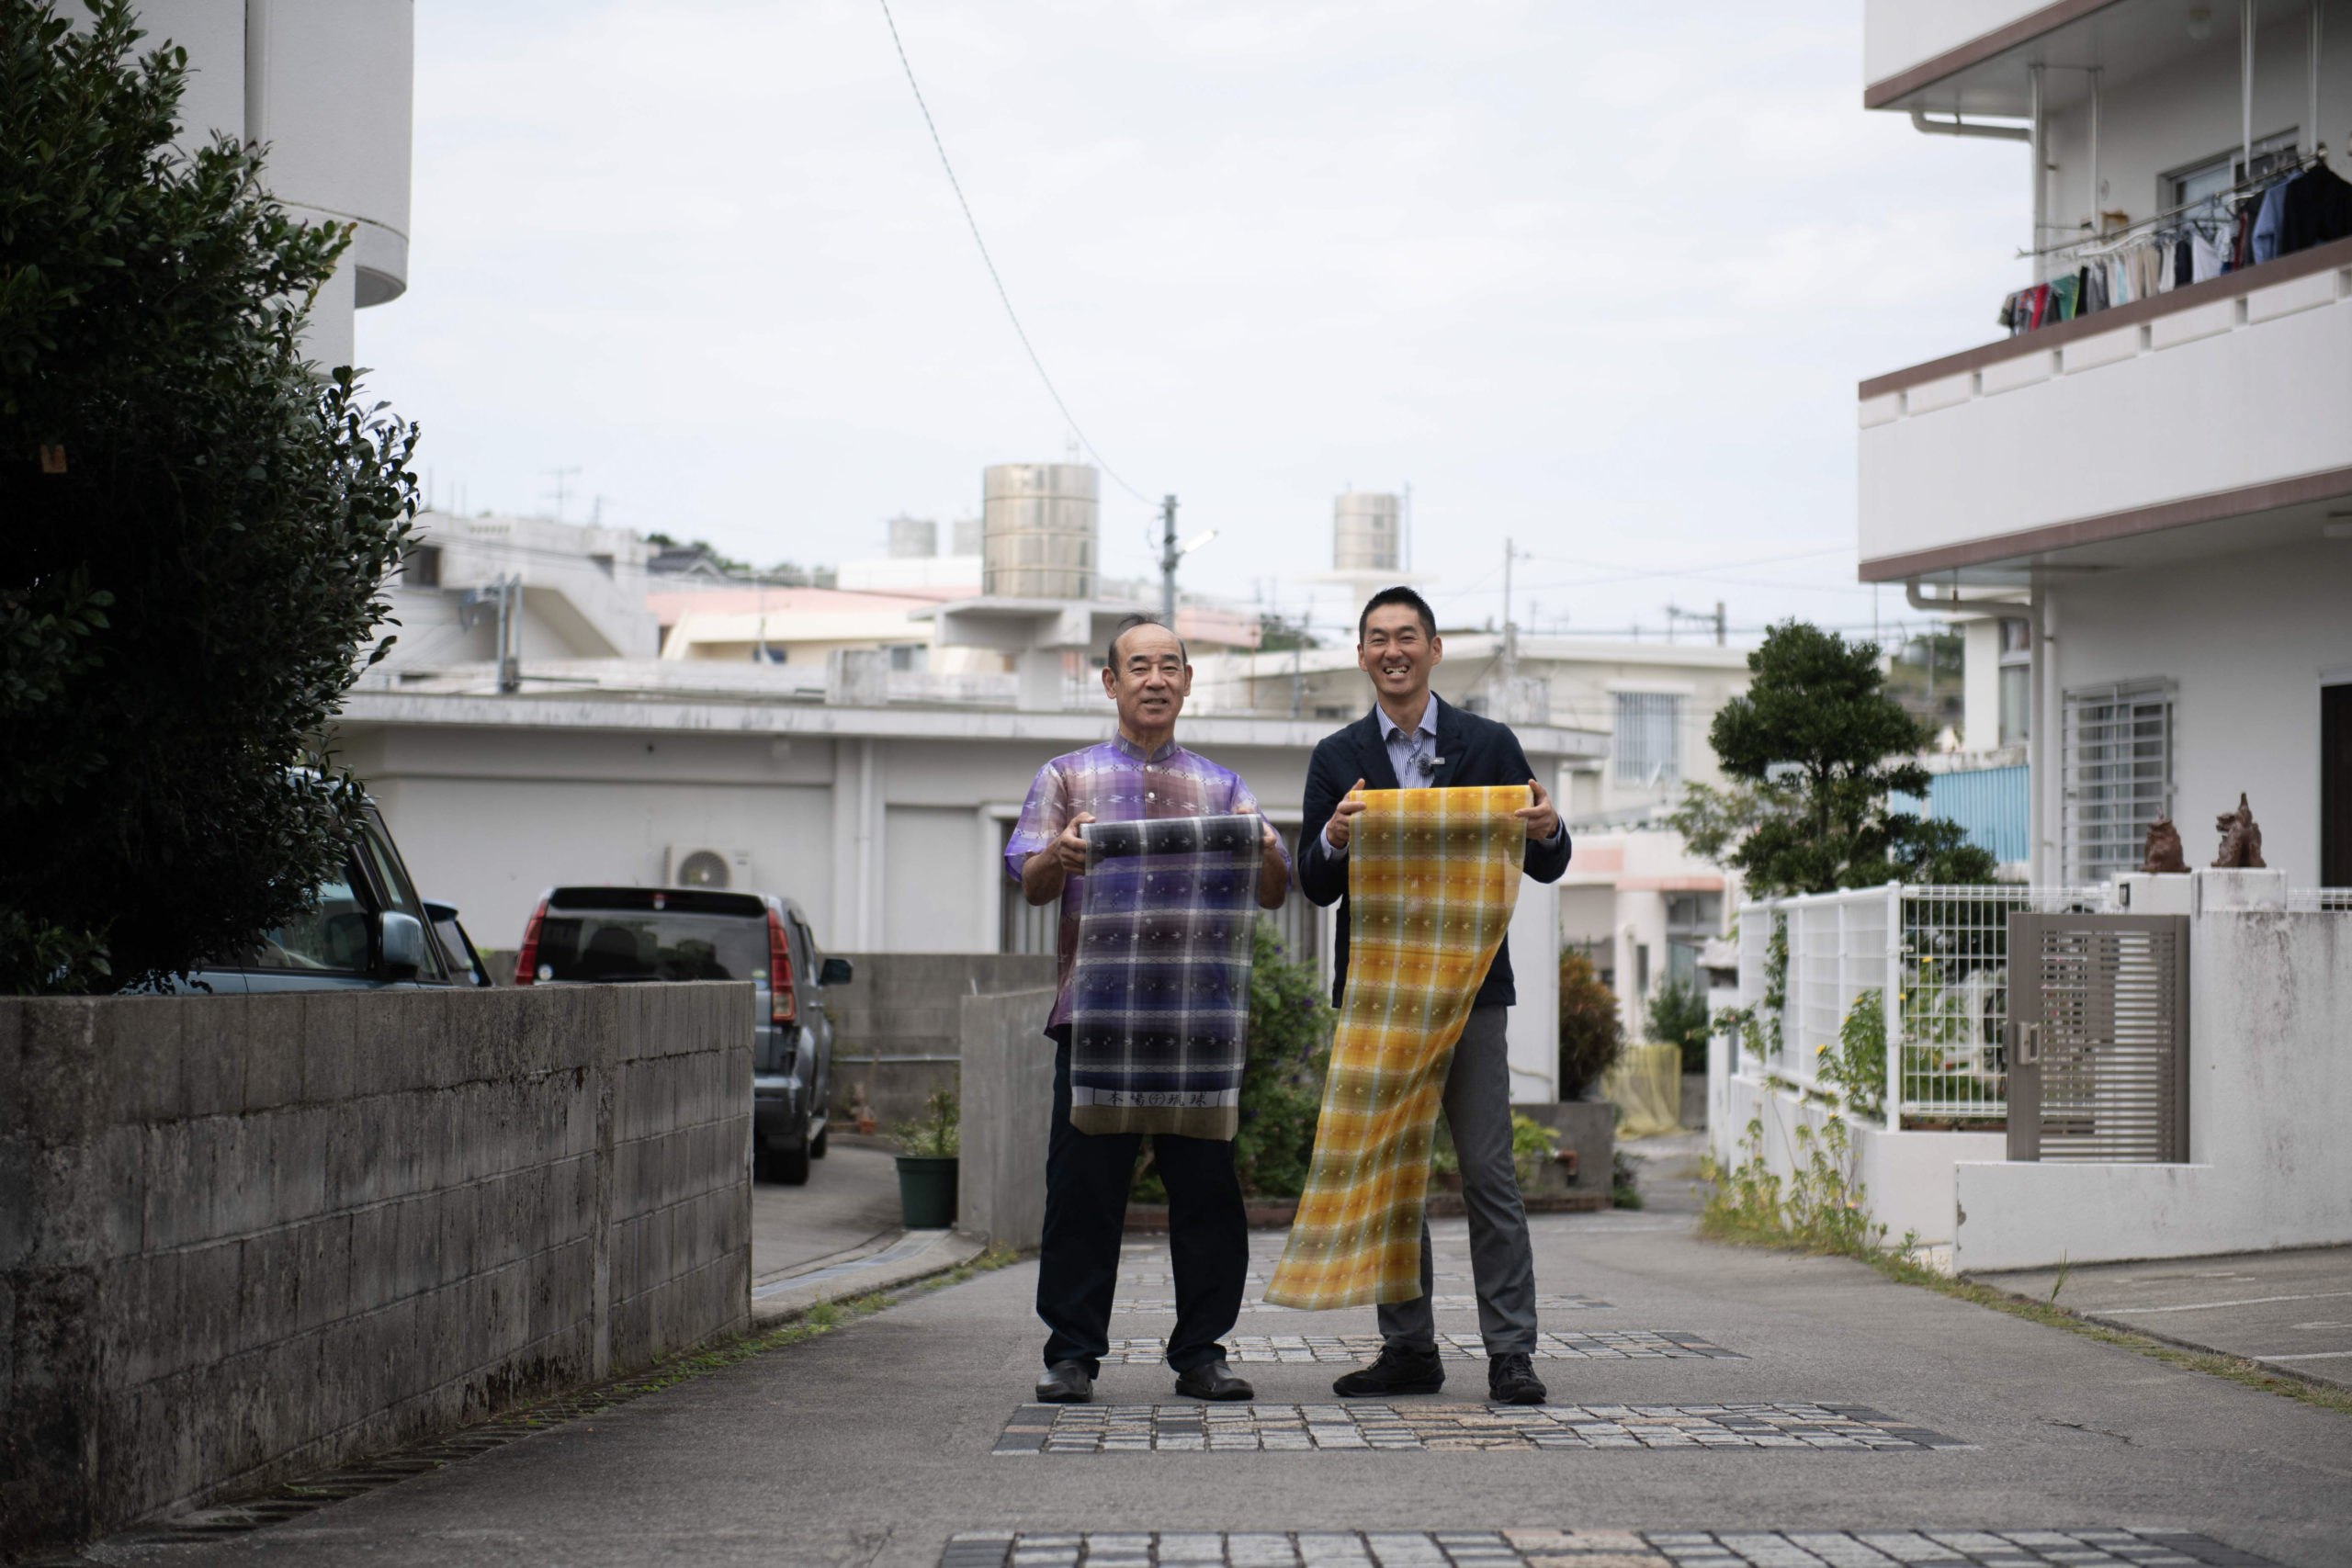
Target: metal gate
2098, 1037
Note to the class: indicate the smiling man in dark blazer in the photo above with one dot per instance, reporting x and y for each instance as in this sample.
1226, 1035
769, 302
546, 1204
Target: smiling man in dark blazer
1412, 741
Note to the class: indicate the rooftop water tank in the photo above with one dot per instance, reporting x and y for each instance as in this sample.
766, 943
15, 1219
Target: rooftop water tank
1037, 531
1363, 532
911, 537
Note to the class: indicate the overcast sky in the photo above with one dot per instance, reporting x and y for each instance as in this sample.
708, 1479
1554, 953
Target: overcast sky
1598, 278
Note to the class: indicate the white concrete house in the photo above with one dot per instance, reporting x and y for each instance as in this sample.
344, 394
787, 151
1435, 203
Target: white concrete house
2149, 507
327, 87
2158, 496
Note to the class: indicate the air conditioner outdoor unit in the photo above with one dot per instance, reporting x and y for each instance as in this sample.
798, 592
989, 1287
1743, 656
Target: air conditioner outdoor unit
697, 865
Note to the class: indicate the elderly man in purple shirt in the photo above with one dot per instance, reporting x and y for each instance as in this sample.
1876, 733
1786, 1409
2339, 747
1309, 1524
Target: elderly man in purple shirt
1140, 773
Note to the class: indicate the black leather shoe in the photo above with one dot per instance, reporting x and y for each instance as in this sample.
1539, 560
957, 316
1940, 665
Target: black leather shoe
1511, 1380
1065, 1383
1398, 1371
1214, 1380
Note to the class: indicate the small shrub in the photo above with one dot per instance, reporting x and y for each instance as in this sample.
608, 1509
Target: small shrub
939, 1131
1532, 1144
1625, 1181
1858, 1064
1820, 1208
1677, 1017
1591, 1034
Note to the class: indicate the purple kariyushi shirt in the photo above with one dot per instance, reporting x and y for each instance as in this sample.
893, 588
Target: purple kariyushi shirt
1115, 782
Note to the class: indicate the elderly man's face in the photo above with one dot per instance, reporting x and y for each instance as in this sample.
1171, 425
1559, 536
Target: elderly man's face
1149, 679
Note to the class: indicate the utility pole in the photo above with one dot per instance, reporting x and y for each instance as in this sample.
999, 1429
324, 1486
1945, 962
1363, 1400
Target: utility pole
1720, 627
1168, 555
1510, 632
561, 490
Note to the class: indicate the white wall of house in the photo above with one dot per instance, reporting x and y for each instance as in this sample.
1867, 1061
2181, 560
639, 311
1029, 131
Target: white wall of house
2270, 1009
328, 86
2270, 1086
2249, 640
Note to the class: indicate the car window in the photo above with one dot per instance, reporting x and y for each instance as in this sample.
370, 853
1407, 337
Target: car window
810, 959
330, 935
399, 893
453, 946
594, 945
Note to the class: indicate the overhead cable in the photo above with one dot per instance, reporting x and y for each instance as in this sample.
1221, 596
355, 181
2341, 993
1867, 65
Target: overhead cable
986, 260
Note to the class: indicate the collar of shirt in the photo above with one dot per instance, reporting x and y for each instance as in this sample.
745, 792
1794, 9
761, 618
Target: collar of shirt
1127, 748
1390, 731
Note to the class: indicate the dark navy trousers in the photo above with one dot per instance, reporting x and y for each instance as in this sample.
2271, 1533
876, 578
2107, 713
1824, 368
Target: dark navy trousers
1087, 1177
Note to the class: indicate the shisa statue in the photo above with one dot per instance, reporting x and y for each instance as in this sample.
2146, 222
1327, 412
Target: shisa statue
2162, 855
2240, 840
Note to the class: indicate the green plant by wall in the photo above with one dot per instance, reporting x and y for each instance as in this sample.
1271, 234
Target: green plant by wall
1532, 1144
1821, 1207
1625, 1181
1857, 1064
938, 1132
1677, 1017
197, 523
1287, 1052
1591, 1032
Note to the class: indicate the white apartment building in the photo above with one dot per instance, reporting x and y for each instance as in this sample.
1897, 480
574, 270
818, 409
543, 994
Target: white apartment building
327, 87
2152, 502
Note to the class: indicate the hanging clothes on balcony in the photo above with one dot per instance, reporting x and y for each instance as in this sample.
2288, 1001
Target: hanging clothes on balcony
2315, 210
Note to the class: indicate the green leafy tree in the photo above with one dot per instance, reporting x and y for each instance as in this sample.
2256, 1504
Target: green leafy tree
1677, 1017
1815, 747
1591, 1032
197, 524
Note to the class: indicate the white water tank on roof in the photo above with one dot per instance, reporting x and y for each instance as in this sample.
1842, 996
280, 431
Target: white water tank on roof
1365, 531
913, 539
1037, 531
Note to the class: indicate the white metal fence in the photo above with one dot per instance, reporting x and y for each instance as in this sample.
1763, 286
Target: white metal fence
1934, 961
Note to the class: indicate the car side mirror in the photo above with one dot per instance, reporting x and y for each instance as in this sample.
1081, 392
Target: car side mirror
835, 971
403, 944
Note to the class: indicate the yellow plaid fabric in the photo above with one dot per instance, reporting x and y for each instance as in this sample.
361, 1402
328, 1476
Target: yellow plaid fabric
1433, 875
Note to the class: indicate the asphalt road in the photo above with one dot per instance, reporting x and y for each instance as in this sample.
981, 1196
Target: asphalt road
849, 1206
873, 1444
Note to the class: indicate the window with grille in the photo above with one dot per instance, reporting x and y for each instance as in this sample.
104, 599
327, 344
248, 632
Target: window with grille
2117, 775
1650, 739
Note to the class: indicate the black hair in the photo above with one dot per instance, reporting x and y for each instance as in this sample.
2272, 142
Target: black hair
1129, 622
1400, 594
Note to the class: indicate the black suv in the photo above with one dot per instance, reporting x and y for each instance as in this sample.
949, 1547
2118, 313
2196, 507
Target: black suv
608, 935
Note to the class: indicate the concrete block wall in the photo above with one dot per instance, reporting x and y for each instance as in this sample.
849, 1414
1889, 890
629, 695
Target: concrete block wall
903, 1008
246, 1236
1008, 1075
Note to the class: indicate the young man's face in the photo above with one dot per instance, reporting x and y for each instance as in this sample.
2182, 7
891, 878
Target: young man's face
1399, 653
1149, 679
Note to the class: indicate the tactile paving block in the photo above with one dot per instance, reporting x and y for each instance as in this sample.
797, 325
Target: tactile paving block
1356, 1425
1593, 1549
1353, 1349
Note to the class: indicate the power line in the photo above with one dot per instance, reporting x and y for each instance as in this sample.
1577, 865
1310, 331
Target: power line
986, 260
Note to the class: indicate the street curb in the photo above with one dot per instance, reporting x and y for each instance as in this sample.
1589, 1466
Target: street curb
2170, 1341
896, 1265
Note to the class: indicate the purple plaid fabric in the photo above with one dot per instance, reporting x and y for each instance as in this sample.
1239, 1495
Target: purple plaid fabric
1115, 783
1160, 998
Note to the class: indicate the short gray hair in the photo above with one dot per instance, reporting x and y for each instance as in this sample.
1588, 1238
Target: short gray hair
1129, 622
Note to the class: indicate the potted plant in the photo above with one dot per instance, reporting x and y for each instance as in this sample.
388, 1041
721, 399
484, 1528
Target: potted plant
928, 1155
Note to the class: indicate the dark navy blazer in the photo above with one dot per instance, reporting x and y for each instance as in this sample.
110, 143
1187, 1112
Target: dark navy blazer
1475, 751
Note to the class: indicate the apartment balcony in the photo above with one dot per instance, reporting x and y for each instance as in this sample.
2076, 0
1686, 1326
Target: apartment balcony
2217, 417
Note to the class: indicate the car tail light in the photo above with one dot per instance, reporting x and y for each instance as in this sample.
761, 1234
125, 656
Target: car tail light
783, 1006
526, 961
